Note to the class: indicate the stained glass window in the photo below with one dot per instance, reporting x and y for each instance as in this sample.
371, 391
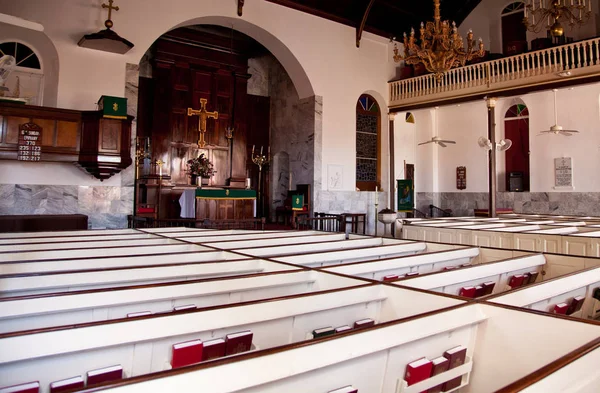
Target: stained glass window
367, 143
518, 110
410, 118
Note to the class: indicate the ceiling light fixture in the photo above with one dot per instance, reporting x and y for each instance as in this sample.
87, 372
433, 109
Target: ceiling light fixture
441, 47
554, 11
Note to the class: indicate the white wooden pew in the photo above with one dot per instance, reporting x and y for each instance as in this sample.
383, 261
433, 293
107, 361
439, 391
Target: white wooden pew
38, 283
109, 261
499, 237
143, 345
503, 346
34, 312
102, 232
421, 263
500, 272
358, 244
61, 239
98, 252
579, 375
267, 241
326, 258
545, 295
68, 244
247, 236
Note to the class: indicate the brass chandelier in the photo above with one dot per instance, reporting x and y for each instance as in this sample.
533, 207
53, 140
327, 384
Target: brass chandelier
441, 47
553, 11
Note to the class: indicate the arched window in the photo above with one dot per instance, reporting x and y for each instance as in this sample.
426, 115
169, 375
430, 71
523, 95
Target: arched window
514, 32
516, 128
26, 79
368, 150
410, 118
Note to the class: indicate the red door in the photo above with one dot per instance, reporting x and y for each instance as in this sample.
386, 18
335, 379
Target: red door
517, 157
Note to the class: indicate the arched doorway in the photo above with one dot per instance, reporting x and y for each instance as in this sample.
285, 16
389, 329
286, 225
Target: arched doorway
516, 128
514, 32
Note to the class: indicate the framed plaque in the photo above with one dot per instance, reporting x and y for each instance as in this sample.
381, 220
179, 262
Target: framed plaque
461, 177
30, 142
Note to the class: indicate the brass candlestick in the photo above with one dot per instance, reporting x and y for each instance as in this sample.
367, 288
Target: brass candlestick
261, 161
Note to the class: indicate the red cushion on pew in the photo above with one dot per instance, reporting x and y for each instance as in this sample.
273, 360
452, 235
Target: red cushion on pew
145, 210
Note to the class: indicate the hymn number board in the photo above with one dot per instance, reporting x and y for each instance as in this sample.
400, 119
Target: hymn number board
461, 177
30, 140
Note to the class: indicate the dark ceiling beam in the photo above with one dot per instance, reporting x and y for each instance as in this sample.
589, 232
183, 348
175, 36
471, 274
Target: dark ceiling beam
363, 22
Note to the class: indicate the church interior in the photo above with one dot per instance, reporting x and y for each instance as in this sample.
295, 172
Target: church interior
374, 196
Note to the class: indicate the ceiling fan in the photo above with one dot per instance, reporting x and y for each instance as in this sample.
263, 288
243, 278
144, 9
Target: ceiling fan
438, 140
486, 144
556, 129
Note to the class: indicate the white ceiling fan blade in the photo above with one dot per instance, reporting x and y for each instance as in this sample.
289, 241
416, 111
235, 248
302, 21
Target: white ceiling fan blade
441, 143
445, 141
424, 143
565, 133
571, 131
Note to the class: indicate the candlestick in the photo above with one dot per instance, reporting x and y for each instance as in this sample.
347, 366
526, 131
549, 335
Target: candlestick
261, 150
269, 151
376, 195
290, 180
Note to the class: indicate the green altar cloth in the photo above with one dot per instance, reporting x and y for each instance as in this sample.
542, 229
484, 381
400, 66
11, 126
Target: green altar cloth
224, 193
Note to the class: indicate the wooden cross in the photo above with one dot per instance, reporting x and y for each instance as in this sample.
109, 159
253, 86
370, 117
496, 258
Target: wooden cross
203, 115
108, 23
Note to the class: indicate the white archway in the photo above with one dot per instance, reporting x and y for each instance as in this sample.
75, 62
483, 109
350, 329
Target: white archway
287, 59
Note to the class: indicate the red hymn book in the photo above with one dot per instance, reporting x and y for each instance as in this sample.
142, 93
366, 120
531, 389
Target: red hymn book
30, 387
186, 353
456, 357
106, 374
66, 384
561, 308
418, 371
238, 342
467, 292
213, 349
440, 365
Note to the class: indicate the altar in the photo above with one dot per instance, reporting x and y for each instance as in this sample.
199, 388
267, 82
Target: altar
225, 203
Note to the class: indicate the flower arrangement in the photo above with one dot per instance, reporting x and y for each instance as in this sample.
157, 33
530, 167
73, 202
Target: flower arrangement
200, 166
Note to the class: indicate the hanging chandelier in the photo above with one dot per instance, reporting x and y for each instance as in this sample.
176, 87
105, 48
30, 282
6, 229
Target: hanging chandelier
441, 47
553, 12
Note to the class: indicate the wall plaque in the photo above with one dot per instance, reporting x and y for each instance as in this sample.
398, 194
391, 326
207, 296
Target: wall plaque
563, 172
30, 140
461, 177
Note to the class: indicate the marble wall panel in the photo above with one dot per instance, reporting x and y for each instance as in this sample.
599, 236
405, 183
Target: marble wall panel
559, 203
106, 207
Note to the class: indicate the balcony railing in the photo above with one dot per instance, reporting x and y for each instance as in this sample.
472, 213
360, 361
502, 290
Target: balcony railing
574, 60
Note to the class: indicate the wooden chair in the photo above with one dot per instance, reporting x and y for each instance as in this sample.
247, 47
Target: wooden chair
289, 215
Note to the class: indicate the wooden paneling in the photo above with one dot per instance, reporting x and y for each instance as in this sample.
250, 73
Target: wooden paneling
48, 130
224, 209
12, 128
68, 134
110, 132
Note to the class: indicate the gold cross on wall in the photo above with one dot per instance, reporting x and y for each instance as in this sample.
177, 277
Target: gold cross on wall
108, 23
203, 115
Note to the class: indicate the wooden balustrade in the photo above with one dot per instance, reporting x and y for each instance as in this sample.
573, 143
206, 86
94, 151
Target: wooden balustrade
574, 60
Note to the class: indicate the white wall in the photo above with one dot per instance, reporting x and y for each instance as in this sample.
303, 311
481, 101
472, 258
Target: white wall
319, 55
578, 108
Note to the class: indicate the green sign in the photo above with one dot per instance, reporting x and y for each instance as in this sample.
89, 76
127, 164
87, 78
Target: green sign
406, 195
113, 107
298, 202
